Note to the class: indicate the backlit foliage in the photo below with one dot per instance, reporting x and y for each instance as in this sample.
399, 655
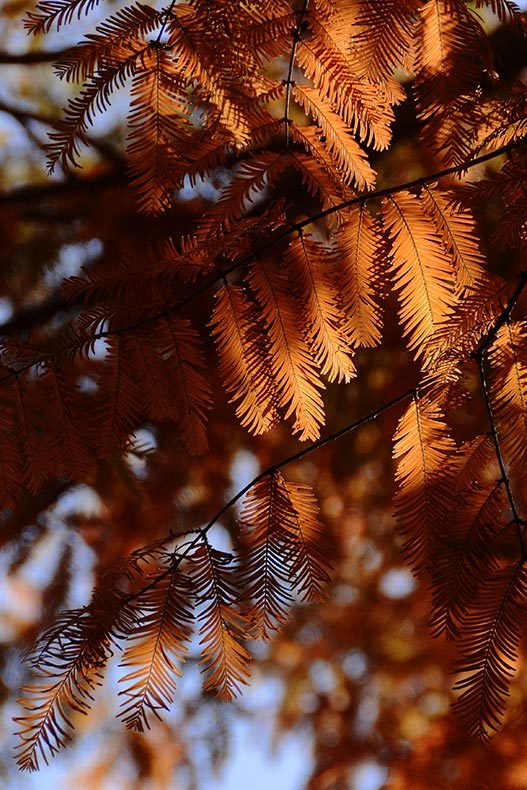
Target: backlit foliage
287, 111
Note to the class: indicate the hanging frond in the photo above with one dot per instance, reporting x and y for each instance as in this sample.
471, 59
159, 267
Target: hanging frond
453, 59
467, 557
425, 453
507, 11
310, 556
318, 179
267, 537
161, 627
68, 659
360, 251
56, 13
423, 275
312, 269
247, 185
508, 356
364, 106
295, 376
225, 660
284, 552
132, 23
489, 649
159, 128
64, 145
243, 358
505, 122
382, 38
184, 356
457, 229
117, 411
351, 160
68, 439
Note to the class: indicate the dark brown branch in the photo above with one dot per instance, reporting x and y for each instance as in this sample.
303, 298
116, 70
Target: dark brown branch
60, 189
32, 58
25, 116
480, 356
289, 78
322, 442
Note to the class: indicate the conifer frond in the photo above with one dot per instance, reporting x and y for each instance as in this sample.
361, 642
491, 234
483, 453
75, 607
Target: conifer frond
425, 474
183, 352
310, 558
12, 472
318, 170
118, 408
68, 659
364, 106
296, 378
508, 356
467, 557
266, 543
319, 181
457, 228
271, 38
507, 11
159, 128
505, 120
28, 426
249, 181
223, 628
453, 58
382, 38
284, 552
64, 145
314, 273
132, 23
509, 188
423, 275
458, 338
56, 13
349, 156
489, 648
360, 249
161, 626
70, 453
130, 283
243, 358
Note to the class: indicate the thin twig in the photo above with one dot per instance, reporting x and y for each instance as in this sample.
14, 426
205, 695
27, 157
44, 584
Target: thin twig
201, 533
480, 356
244, 260
165, 20
289, 79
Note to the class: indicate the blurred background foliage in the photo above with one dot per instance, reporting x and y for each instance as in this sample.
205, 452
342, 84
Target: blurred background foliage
354, 693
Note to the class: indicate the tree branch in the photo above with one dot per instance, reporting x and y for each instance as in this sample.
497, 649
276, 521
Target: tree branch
202, 532
32, 58
59, 189
24, 116
289, 79
293, 228
480, 357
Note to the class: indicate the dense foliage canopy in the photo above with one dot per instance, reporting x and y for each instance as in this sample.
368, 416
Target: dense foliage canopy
266, 223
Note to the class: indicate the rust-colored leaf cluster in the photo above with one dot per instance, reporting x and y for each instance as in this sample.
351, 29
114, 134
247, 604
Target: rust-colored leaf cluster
285, 113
